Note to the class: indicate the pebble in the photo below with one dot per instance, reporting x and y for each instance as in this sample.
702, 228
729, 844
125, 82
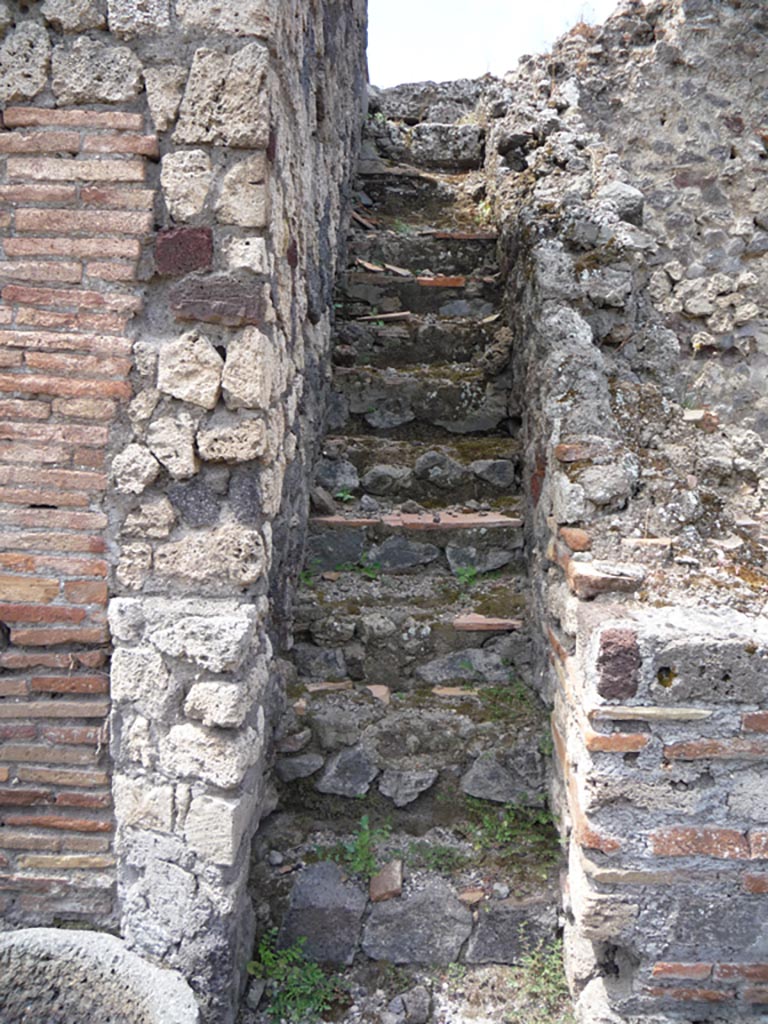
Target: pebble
275, 858
500, 890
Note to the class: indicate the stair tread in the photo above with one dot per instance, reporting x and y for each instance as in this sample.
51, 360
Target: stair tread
449, 520
471, 622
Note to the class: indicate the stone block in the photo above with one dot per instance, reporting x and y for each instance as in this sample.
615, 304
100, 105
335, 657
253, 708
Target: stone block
165, 87
171, 440
138, 803
506, 931
327, 911
181, 251
618, 664
24, 59
239, 442
627, 200
185, 178
237, 17
215, 635
217, 704
127, 18
220, 299
197, 502
247, 254
225, 102
229, 555
189, 368
134, 566
219, 757
250, 372
427, 927
349, 772
154, 519
215, 827
516, 776
134, 469
243, 197
288, 769
87, 71
404, 787
75, 15
139, 676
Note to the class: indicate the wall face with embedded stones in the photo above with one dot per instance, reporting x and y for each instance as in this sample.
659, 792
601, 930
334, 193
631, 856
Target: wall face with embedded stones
174, 184
627, 236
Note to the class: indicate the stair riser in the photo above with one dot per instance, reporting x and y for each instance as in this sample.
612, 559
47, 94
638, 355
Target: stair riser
407, 342
368, 294
420, 253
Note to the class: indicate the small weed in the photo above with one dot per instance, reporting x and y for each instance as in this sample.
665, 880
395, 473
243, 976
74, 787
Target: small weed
436, 857
540, 980
299, 989
546, 745
467, 575
344, 494
368, 568
358, 854
522, 838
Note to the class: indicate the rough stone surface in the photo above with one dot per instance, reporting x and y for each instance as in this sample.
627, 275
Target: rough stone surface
219, 757
214, 827
214, 635
350, 772
250, 371
140, 676
186, 178
75, 15
328, 911
142, 805
404, 787
190, 368
506, 931
226, 299
288, 769
24, 58
513, 778
87, 71
239, 442
217, 704
428, 927
165, 87
128, 18
231, 554
134, 469
171, 440
238, 17
183, 250
243, 197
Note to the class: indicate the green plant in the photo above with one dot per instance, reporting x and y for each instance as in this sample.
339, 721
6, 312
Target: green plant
365, 567
358, 854
467, 575
298, 988
307, 578
344, 494
436, 857
540, 980
524, 839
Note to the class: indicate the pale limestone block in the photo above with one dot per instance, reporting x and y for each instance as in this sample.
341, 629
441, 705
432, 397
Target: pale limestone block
220, 758
165, 87
189, 368
75, 15
144, 359
271, 487
239, 17
172, 441
128, 18
138, 675
153, 519
239, 442
214, 635
215, 827
24, 59
217, 704
231, 554
137, 743
87, 71
126, 619
247, 254
243, 197
141, 408
134, 469
225, 101
134, 566
141, 804
185, 178
249, 371
6, 18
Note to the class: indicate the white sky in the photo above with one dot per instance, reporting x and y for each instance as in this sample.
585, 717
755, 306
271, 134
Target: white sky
440, 40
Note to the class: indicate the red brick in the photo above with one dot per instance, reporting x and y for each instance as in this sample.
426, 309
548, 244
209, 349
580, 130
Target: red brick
755, 884
44, 755
66, 479
64, 297
10, 359
69, 684
723, 843
182, 250
755, 722
52, 709
59, 455
107, 197
576, 539
37, 384
5, 219
41, 270
86, 592
582, 451
52, 517
121, 142
13, 661
691, 972
89, 458
44, 341
114, 271
751, 972
58, 542
63, 777
758, 845
440, 281
115, 248
84, 222
728, 749
60, 195
84, 408
110, 323
4, 774
757, 994
22, 588
14, 408
27, 882
13, 687
24, 797
40, 613
29, 117
39, 142
65, 823
692, 995
88, 801
85, 435
38, 496
18, 732
617, 742
68, 169
55, 637
89, 735
78, 365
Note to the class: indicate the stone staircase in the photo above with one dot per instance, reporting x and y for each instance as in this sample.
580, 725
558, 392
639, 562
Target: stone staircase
410, 703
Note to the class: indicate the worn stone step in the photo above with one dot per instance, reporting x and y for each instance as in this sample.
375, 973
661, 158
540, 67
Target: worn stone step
359, 293
402, 198
409, 339
420, 251
453, 396
463, 469
429, 144
407, 631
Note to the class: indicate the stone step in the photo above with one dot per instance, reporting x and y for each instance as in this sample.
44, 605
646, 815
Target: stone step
409, 339
430, 145
465, 543
403, 632
463, 469
443, 252
403, 198
456, 397
451, 295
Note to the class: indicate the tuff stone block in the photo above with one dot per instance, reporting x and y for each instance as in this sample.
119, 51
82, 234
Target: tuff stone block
24, 58
220, 299
190, 369
186, 178
87, 71
618, 664
180, 251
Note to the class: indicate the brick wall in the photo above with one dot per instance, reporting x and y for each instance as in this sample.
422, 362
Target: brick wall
74, 211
